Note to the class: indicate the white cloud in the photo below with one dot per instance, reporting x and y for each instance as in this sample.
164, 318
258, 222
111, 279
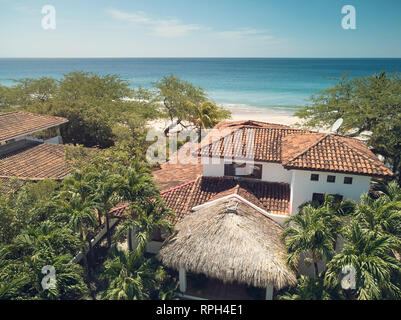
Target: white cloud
27, 10
247, 33
167, 28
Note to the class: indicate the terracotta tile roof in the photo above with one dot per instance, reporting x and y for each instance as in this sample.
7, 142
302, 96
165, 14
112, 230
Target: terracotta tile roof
272, 197
260, 144
176, 198
329, 152
7, 184
249, 123
175, 173
16, 124
33, 161
296, 149
118, 211
226, 127
293, 145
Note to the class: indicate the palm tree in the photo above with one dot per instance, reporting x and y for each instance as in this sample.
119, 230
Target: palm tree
130, 276
311, 289
309, 232
206, 115
49, 237
369, 253
70, 283
339, 208
14, 277
81, 183
13, 288
108, 194
145, 211
78, 212
138, 184
144, 219
391, 191
22, 262
382, 215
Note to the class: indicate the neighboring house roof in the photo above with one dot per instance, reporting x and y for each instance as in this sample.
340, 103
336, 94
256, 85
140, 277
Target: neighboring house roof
31, 160
230, 241
297, 149
175, 173
18, 124
269, 196
8, 184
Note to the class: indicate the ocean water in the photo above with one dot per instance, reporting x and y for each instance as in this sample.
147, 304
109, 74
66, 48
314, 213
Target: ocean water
281, 84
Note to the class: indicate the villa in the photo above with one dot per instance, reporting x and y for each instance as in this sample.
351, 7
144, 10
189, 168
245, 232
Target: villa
230, 201
25, 157
243, 186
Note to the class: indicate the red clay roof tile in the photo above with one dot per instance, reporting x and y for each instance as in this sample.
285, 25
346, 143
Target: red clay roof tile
272, 197
297, 149
34, 161
16, 124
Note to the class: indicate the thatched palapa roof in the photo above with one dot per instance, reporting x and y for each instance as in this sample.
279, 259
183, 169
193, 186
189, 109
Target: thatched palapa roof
231, 241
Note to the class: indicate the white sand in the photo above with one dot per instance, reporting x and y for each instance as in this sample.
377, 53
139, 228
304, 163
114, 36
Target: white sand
253, 113
265, 116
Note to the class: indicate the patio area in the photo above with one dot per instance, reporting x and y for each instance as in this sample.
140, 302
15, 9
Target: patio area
199, 286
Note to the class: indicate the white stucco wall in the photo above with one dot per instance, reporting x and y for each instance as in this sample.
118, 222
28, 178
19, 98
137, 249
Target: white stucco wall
302, 188
213, 169
154, 247
275, 172
271, 172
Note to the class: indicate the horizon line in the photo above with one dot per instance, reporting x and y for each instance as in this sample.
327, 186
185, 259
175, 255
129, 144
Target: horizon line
187, 57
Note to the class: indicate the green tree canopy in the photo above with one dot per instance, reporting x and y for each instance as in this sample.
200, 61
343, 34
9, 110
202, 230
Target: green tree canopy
366, 104
175, 95
93, 104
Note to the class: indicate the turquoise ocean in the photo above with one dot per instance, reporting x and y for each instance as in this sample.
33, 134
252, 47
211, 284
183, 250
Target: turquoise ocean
239, 83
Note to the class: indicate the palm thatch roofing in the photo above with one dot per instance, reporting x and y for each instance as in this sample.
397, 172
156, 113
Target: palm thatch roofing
231, 241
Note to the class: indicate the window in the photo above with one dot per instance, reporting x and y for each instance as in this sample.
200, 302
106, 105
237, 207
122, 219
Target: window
244, 170
314, 177
338, 197
157, 235
331, 179
318, 197
347, 180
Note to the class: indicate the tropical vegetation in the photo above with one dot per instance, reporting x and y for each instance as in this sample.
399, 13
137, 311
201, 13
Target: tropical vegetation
358, 242
49, 224
370, 108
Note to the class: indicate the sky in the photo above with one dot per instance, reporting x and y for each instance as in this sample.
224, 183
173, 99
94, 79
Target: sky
203, 28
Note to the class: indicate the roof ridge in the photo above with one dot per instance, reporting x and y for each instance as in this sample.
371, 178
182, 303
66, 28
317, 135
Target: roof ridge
125, 206
28, 112
10, 112
242, 127
355, 150
324, 135
190, 195
246, 202
177, 187
350, 148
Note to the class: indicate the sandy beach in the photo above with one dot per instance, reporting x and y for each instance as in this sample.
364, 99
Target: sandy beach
245, 113
265, 115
